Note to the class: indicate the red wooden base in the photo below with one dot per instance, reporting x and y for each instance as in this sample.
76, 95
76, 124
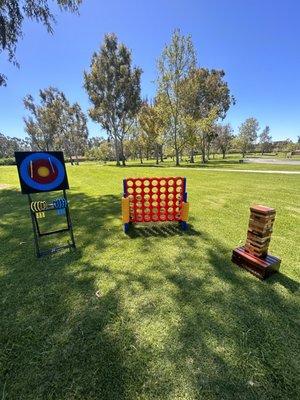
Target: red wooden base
260, 267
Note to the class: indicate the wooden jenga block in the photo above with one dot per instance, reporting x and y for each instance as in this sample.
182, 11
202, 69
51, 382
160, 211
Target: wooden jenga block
254, 255
259, 209
257, 238
261, 268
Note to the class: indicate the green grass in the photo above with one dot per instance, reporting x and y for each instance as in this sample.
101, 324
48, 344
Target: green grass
175, 319
231, 162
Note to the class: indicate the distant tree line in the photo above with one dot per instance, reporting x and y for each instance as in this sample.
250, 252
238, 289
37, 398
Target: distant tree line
184, 119
8, 145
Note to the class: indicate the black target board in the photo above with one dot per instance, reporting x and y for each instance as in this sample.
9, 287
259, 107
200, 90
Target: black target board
43, 171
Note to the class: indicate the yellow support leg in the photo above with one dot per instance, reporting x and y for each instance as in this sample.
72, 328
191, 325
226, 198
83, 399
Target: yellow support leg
125, 210
185, 211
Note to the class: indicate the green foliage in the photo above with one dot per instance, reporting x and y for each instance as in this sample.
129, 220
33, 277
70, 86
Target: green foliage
102, 151
187, 93
113, 86
247, 135
265, 140
13, 14
224, 137
44, 124
55, 123
7, 161
8, 145
151, 125
204, 90
176, 61
74, 131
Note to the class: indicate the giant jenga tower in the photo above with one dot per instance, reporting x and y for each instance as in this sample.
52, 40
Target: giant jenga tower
254, 255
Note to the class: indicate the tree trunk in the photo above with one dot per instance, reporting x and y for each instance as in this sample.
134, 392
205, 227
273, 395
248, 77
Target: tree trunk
192, 159
141, 156
157, 154
224, 154
161, 154
122, 153
208, 151
203, 155
117, 151
175, 143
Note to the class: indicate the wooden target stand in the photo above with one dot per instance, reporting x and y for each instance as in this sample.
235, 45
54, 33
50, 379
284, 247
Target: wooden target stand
41, 172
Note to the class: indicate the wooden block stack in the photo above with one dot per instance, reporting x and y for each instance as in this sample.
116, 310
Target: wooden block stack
254, 255
260, 230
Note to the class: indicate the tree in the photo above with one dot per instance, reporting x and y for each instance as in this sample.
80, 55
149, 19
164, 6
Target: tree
56, 124
265, 140
74, 131
44, 124
8, 145
12, 15
102, 152
288, 147
247, 135
113, 86
204, 93
151, 125
176, 61
136, 143
224, 136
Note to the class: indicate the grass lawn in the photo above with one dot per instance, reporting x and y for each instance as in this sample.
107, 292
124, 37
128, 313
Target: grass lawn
230, 162
173, 319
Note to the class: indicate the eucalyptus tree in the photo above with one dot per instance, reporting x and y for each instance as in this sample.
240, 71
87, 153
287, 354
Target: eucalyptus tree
205, 98
113, 86
14, 12
54, 123
151, 125
265, 140
43, 124
247, 136
74, 131
176, 62
8, 145
224, 137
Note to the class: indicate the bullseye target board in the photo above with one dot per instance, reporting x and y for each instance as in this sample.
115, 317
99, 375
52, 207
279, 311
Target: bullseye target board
41, 171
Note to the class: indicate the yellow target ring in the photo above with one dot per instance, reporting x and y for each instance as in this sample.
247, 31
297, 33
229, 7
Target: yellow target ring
43, 172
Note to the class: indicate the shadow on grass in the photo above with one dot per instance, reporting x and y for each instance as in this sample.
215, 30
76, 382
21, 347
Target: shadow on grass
187, 324
58, 339
186, 164
286, 282
237, 327
160, 230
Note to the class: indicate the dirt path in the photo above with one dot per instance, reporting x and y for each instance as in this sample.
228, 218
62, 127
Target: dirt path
273, 161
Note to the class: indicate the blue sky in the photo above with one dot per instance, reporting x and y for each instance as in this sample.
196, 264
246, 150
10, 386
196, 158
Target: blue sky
257, 43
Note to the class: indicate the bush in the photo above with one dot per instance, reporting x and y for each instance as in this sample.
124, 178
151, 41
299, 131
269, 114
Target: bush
7, 161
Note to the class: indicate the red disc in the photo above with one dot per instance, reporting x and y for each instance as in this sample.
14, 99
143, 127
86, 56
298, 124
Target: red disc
42, 171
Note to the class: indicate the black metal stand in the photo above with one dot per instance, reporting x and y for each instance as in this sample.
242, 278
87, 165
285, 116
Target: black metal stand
38, 234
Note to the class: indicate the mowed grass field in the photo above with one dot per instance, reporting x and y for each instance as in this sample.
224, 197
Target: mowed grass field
157, 314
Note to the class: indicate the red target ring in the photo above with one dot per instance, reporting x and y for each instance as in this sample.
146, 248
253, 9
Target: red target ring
42, 171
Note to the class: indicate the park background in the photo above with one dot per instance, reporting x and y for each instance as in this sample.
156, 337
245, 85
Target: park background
158, 313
